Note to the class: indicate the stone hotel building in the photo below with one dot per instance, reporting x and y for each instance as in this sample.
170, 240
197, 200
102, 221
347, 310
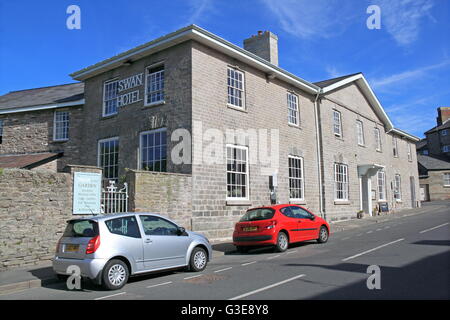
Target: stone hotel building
334, 149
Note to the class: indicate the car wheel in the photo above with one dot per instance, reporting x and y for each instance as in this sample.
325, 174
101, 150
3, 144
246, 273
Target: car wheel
282, 242
199, 260
241, 249
323, 235
115, 275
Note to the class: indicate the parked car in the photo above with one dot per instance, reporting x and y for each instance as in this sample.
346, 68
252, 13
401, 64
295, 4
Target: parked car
278, 225
110, 248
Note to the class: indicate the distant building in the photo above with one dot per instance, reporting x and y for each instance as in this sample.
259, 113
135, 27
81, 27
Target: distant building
434, 159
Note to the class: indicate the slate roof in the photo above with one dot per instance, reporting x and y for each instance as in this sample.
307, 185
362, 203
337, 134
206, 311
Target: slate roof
422, 143
432, 162
326, 83
27, 161
42, 96
445, 125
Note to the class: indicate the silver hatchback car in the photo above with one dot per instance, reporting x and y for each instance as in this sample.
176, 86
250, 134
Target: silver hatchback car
110, 248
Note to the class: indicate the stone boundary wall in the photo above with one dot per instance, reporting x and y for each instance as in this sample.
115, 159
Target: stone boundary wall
34, 208
168, 194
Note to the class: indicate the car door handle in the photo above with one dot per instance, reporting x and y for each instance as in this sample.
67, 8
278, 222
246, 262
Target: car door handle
148, 241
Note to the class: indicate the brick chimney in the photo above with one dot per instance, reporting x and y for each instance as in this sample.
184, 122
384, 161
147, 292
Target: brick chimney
264, 45
443, 115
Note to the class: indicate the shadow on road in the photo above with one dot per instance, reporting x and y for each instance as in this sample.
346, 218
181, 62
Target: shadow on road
230, 249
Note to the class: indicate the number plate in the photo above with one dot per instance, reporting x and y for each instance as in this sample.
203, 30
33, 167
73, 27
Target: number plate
71, 247
250, 229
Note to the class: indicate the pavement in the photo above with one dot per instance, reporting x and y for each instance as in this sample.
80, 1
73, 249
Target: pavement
225, 257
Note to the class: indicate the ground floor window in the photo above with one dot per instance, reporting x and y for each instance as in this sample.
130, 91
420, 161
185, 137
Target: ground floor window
447, 179
340, 181
397, 188
237, 172
153, 146
296, 178
108, 157
381, 185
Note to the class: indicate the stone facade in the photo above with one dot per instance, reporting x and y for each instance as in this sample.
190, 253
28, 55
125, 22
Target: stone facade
32, 132
434, 185
352, 105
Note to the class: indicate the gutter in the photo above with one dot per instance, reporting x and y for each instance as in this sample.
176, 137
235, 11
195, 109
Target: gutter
319, 153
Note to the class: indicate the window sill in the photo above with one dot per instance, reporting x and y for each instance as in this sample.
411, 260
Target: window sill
378, 150
108, 116
341, 202
153, 104
241, 109
362, 145
60, 141
300, 202
297, 126
398, 201
230, 202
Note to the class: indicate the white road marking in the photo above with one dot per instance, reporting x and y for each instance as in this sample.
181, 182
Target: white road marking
387, 227
379, 229
384, 245
290, 252
270, 258
191, 277
265, 288
247, 263
346, 238
369, 231
223, 269
441, 225
160, 284
358, 235
111, 295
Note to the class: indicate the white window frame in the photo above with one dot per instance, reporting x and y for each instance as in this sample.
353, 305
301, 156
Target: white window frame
378, 139
341, 169
298, 180
446, 148
397, 187
381, 181
110, 98
444, 132
409, 152
231, 86
293, 109
161, 88
360, 132
446, 179
246, 173
99, 164
65, 125
141, 148
395, 146
337, 123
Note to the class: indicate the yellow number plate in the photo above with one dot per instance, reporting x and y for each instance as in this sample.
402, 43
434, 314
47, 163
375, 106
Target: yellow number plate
251, 229
72, 247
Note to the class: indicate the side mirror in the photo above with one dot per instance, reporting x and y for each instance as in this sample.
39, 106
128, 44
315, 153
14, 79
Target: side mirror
313, 217
181, 231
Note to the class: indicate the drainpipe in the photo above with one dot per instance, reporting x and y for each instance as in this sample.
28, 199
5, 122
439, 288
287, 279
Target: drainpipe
319, 153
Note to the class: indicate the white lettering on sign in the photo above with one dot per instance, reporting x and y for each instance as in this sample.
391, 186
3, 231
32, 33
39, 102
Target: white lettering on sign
128, 98
130, 82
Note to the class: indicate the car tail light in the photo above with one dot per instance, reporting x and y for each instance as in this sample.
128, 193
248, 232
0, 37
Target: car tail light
272, 224
93, 245
57, 246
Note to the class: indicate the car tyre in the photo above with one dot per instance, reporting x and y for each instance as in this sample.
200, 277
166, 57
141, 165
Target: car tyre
323, 235
241, 249
282, 242
115, 275
198, 260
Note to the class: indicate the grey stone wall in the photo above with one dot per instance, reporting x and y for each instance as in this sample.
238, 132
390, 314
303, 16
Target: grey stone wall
435, 182
168, 194
34, 208
32, 132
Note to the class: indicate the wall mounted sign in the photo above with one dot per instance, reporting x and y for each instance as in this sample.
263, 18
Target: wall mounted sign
87, 190
127, 84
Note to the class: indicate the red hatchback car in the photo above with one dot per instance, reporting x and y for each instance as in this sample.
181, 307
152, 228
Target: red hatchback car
278, 225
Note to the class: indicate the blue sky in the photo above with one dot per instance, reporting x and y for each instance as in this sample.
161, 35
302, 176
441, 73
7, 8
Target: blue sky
407, 61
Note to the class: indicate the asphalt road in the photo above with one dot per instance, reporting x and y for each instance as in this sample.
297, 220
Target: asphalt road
413, 254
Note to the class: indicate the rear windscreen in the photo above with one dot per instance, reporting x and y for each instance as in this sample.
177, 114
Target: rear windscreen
81, 228
258, 214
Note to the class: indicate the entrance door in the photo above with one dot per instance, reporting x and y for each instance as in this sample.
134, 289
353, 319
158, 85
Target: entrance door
366, 194
413, 192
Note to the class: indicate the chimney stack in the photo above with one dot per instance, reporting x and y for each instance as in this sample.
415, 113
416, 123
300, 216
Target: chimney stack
264, 45
443, 115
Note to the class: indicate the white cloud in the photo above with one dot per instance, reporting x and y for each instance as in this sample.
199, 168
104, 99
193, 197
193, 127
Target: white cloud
307, 19
197, 8
402, 19
406, 76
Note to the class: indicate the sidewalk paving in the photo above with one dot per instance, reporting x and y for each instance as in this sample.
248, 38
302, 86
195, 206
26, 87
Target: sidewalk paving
38, 275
